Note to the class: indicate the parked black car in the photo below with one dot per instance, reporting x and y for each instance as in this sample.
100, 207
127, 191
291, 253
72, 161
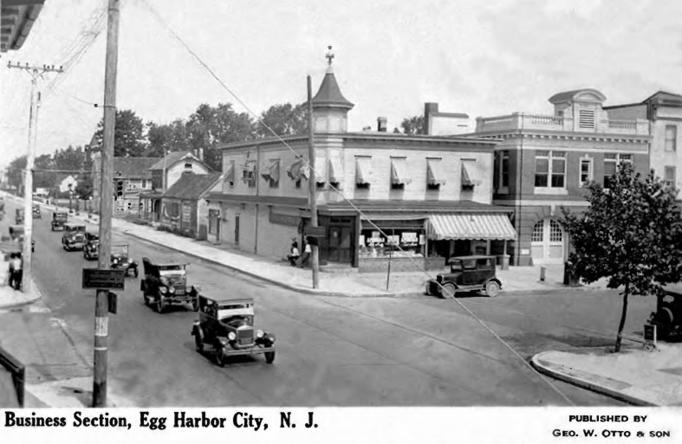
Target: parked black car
467, 274
668, 315
59, 219
91, 246
165, 284
74, 237
36, 212
120, 259
225, 326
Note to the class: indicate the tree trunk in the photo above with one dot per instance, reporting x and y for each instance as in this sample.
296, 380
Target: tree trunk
623, 314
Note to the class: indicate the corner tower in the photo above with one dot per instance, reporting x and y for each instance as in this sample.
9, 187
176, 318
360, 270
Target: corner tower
330, 108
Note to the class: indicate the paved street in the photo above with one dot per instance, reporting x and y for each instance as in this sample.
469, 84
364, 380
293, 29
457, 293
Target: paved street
413, 350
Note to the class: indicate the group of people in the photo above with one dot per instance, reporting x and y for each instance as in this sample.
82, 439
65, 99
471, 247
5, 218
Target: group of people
295, 257
16, 271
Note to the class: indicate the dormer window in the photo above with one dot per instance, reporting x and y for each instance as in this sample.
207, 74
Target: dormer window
188, 165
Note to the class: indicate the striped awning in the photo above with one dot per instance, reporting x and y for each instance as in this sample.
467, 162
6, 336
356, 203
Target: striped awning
471, 226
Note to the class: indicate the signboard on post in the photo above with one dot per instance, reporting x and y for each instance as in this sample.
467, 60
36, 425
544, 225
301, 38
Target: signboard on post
103, 279
315, 231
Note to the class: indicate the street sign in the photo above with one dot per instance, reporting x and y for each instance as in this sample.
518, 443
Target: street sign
315, 231
103, 279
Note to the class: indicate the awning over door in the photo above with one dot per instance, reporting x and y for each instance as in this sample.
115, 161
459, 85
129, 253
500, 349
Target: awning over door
471, 226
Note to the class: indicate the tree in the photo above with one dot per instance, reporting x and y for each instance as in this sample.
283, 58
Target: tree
84, 186
208, 126
166, 138
631, 234
128, 136
413, 125
43, 177
284, 120
15, 172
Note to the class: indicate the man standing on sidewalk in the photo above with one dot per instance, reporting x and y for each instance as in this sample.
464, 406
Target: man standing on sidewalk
16, 271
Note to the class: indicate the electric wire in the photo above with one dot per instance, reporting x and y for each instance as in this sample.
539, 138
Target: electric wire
311, 168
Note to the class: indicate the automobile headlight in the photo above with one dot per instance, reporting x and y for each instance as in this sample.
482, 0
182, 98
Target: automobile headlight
114, 261
231, 336
188, 289
163, 289
259, 334
171, 290
271, 337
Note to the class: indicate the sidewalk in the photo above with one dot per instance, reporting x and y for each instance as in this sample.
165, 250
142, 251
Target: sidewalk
635, 375
334, 283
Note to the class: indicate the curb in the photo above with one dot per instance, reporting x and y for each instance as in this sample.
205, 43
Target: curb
585, 383
272, 281
37, 295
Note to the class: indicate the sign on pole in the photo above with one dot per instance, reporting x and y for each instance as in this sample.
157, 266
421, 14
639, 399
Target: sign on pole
103, 279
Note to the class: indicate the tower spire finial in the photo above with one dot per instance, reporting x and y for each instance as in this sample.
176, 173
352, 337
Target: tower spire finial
329, 55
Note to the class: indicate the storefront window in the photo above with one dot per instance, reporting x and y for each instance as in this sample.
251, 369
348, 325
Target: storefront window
404, 242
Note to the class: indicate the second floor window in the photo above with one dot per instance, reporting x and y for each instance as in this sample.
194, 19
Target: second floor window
611, 162
670, 138
504, 169
670, 174
550, 169
586, 171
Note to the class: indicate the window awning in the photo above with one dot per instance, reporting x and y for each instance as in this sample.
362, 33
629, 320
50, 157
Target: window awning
335, 170
295, 170
466, 180
320, 169
399, 171
471, 226
362, 170
271, 170
434, 172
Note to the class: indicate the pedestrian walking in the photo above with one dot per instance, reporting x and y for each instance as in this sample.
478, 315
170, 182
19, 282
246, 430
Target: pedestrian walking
16, 271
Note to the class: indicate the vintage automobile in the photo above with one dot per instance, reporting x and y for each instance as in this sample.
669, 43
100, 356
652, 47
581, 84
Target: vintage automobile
91, 246
19, 216
36, 212
59, 219
166, 284
74, 237
225, 326
16, 233
668, 315
120, 260
467, 274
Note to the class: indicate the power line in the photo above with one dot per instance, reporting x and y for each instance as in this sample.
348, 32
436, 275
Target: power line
311, 168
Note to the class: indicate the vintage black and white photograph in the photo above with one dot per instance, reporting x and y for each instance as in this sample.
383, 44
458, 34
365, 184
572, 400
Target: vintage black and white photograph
378, 203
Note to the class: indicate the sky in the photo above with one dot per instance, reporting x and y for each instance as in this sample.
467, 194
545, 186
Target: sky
482, 58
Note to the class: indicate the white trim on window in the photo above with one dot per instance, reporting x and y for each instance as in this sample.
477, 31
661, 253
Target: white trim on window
585, 176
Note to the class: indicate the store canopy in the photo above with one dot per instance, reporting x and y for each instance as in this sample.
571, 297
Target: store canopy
320, 169
271, 170
295, 170
466, 179
471, 226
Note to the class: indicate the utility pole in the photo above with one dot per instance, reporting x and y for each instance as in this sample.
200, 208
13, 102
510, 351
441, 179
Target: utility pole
36, 72
99, 387
315, 259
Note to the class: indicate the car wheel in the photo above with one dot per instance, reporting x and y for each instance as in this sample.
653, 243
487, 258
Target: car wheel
160, 305
270, 357
135, 272
492, 289
219, 355
198, 343
448, 290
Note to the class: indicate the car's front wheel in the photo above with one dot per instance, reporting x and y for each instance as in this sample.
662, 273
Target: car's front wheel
270, 357
448, 290
492, 289
160, 304
198, 342
220, 356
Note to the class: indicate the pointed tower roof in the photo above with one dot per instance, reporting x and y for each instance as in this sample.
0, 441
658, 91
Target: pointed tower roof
329, 94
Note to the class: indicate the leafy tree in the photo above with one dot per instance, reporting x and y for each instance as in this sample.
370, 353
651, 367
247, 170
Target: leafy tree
128, 135
413, 125
166, 138
631, 234
209, 126
284, 119
69, 160
42, 176
84, 186
15, 172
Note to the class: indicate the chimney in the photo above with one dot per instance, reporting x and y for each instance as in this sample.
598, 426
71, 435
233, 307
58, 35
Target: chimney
382, 124
430, 108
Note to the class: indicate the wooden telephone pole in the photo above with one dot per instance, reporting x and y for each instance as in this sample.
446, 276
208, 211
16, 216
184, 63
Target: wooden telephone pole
312, 184
36, 72
99, 388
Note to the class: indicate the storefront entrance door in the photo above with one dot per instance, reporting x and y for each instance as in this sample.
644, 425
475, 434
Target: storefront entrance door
339, 244
547, 242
